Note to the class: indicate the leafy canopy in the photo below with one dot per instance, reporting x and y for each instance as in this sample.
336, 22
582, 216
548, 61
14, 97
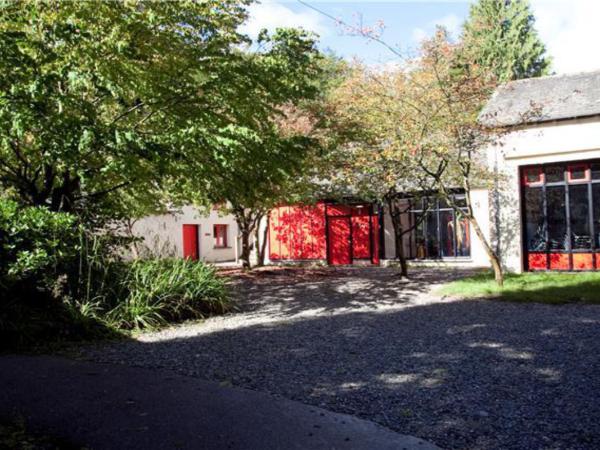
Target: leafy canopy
104, 104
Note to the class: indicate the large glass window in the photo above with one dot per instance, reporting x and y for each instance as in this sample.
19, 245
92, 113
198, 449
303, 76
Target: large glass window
561, 213
440, 232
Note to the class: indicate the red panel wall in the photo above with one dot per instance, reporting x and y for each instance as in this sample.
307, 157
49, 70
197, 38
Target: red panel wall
191, 248
297, 232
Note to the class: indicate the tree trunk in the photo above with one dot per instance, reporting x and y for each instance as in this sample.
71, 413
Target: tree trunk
398, 236
493, 257
261, 244
246, 247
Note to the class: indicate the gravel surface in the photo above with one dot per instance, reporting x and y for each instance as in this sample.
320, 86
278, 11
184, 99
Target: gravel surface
460, 373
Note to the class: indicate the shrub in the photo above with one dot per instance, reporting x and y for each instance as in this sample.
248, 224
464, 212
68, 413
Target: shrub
167, 290
36, 246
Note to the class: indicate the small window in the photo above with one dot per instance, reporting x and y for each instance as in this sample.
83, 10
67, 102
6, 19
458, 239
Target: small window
220, 233
578, 172
532, 175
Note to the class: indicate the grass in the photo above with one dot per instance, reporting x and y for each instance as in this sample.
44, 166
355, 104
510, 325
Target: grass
546, 287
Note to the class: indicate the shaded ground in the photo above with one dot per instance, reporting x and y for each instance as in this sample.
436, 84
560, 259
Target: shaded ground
117, 407
463, 374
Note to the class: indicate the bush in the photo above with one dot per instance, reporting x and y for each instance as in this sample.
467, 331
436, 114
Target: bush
60, 282
158, 291
36, 246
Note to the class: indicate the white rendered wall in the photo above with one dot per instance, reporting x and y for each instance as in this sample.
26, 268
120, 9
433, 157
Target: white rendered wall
572, 140
163, 234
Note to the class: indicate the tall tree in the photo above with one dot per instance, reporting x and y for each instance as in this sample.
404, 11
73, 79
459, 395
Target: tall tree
255, 162
101, 101
501, 36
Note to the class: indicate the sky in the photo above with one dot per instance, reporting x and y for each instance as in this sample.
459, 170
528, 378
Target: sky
569, 28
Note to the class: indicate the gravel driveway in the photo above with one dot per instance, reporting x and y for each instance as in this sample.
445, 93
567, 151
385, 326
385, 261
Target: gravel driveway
462, 374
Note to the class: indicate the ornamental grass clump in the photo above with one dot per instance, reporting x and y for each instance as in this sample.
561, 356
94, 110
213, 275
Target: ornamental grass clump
160, 291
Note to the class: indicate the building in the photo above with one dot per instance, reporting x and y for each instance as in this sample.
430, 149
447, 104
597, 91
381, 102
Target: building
543, 214
547, 206
190, 233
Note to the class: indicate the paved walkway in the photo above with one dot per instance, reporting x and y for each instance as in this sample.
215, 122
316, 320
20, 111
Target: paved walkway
119, 407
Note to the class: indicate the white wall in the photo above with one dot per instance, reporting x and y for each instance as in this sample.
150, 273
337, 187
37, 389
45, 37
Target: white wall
563, 141
163, 234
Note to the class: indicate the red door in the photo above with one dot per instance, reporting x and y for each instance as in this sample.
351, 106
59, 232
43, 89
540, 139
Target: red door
339, 230
361, 238
191, 249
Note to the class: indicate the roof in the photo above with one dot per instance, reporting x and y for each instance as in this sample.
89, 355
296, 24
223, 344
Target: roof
543, 99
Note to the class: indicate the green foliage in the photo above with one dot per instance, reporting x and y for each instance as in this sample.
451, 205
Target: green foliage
36, 246
159, 291
105, 104
543, 287
500, 35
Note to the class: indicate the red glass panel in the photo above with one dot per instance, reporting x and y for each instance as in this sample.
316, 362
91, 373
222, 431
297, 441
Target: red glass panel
537, 261
559, 261
532, 175
578, 172
583, 261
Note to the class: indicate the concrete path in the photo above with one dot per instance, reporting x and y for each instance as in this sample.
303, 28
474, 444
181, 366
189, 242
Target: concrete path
108, 407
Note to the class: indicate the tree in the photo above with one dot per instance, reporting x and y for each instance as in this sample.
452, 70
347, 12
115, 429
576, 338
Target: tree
451, 134
422, 135
375, 164
501, 35
103, 104
257, 160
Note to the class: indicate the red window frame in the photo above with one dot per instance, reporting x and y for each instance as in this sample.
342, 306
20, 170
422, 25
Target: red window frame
529, 170
220, 235
571, 168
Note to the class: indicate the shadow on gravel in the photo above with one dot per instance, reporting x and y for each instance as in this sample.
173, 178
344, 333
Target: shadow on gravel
462, 374
290, 291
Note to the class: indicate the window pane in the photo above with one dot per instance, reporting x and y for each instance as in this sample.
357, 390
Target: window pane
460, 201
555, 174
447, 233
433, 248
463, 239
557, 221
579, 215
596, 200
534, 220
420, 245
596, 171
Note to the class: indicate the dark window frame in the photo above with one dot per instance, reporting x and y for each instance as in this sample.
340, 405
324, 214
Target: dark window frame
435, 209
569, 183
